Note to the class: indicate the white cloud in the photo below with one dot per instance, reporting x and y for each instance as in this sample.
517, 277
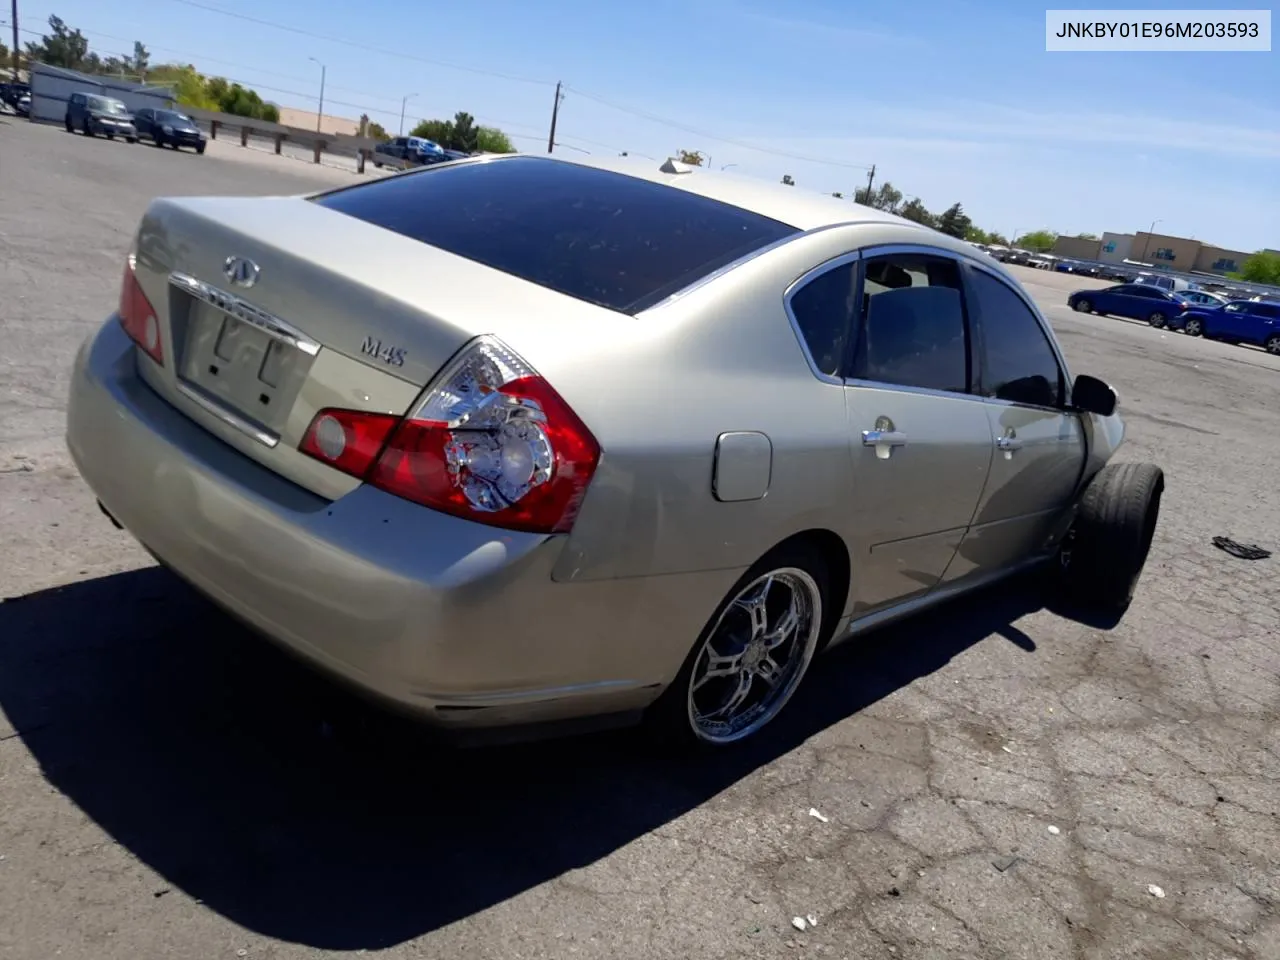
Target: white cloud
996, 122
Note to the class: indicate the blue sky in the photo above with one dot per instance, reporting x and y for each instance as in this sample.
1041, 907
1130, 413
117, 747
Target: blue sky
951, 100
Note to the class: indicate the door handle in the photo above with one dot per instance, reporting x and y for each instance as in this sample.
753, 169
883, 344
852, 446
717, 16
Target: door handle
883, 441
1009, 443
883, 438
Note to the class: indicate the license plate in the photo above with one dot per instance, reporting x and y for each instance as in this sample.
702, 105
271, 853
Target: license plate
239, 365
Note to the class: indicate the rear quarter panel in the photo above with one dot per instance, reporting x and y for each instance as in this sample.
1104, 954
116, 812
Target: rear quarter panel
723, 357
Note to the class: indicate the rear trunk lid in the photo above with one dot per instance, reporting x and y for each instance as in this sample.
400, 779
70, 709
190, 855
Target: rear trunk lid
272, 309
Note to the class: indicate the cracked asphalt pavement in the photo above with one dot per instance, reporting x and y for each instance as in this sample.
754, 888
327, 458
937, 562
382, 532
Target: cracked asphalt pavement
995, 780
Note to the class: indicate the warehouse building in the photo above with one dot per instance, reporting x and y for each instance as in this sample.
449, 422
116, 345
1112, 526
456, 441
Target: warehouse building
1181, 254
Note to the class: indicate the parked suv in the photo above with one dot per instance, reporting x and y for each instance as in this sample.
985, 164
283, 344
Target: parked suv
168, 127
411, 150
92, 114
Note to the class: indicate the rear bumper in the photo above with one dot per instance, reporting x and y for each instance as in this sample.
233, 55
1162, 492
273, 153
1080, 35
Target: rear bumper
456, 621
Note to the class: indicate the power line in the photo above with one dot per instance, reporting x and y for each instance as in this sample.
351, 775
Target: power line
381, 51
668, 122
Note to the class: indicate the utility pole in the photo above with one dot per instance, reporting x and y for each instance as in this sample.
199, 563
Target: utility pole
403, 104
16, 48
320, 112
555, 114
870, 179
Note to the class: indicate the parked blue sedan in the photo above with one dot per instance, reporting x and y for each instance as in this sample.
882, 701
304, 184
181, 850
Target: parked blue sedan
1240, 321
1137, 301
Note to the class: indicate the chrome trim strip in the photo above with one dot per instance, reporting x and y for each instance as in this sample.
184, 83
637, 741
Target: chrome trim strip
244, 311
231, 419
799, 284
919, 391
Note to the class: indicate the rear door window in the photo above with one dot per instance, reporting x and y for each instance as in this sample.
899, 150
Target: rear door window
913, 331
617, 241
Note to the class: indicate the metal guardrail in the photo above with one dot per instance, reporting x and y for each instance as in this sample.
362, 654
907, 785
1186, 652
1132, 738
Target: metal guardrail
335, 144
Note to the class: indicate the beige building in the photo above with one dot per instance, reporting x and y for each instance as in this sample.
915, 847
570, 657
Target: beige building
1181, 254
306, 120
1076, 248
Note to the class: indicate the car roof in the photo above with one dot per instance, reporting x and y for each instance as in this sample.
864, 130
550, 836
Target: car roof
806, 210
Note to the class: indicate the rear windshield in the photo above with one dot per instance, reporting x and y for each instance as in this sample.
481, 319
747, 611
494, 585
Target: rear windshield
607, 238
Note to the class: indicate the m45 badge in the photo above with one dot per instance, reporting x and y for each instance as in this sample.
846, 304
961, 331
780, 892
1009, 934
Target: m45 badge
392, 356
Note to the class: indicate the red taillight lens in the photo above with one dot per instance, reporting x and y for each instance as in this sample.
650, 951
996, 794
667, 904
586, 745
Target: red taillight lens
490, 441
137, 316
348, 439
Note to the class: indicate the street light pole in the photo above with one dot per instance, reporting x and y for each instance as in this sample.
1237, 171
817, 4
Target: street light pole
320, 112
403, 103
1147, 245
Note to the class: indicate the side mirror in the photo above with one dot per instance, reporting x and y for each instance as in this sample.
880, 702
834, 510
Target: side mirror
1092, 395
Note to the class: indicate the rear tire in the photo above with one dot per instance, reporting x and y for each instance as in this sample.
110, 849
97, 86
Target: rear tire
1084, 306
200, 149
1157, 320
1273, 345
67, 123
1194, 327
85, 128
796, 575
1107, 548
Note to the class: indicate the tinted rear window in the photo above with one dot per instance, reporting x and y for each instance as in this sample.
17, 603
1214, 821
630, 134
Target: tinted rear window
612, 240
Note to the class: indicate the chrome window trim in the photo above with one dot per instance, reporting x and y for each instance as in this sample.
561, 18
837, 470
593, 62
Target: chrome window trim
795, 287
918, 391
243, 310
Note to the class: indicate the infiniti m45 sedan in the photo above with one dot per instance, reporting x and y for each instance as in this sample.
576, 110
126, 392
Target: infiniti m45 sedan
519, 440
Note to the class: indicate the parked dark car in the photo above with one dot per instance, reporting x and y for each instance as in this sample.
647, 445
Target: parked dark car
1202, 298
1136, 301
12, 94
410, 150
169, 128
94, 114
1240, 321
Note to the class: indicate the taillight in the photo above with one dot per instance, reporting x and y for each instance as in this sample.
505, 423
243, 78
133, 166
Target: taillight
490, 440
348, 439
137, 316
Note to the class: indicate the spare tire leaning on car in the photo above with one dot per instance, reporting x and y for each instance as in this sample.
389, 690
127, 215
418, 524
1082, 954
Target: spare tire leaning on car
1107, 547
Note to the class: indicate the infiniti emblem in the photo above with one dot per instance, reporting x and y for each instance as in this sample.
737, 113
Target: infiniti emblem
241, 272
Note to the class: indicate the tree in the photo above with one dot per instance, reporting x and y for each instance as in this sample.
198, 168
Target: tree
1262, 267
997, 238
953, 221
141, 59
916, 211
1038, 241
60, 47
372, 128
437, 131
1086, 236
466, 135
692, 157
493, 140
977, 235
884, 197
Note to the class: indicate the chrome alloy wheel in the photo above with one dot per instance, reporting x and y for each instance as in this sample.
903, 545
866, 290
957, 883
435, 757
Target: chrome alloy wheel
755, 656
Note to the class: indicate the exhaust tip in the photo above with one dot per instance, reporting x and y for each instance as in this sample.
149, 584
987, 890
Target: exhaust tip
107, 513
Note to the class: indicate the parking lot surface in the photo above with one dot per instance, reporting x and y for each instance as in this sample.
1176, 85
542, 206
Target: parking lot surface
995, 780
